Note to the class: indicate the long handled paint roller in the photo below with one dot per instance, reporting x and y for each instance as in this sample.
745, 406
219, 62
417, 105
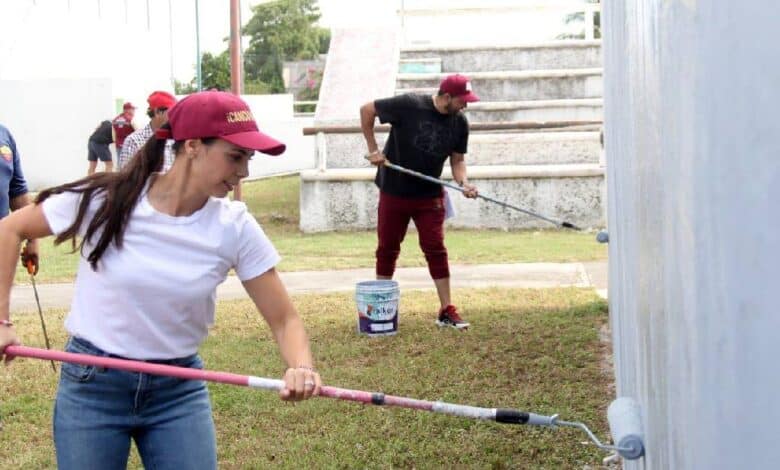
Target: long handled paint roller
626, 430
431, 179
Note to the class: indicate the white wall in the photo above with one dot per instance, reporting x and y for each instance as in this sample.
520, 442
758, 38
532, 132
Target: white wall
691, 93
274, 115
51, 121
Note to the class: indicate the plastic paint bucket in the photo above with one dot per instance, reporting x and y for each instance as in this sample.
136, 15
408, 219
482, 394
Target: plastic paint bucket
377, 307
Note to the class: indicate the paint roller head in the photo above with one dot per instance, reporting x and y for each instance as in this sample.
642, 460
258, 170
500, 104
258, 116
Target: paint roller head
570, 225
625, 425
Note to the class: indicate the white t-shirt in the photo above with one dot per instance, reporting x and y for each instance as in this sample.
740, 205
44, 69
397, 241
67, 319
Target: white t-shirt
154, 298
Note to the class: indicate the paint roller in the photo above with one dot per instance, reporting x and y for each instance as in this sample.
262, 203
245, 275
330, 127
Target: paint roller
623, 414
625, 425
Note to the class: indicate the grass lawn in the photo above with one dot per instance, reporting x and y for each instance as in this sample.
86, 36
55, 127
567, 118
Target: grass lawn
536, 350
274, 202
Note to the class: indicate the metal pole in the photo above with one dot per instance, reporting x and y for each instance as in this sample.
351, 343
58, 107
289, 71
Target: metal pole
170, 43
198, 71
235, 48
236, 81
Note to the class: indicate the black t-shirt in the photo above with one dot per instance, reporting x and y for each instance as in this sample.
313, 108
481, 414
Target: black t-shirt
102, 134
421, 138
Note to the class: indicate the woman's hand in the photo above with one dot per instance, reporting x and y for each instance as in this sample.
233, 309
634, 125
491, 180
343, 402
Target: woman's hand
7, 338
30, 255
300, 383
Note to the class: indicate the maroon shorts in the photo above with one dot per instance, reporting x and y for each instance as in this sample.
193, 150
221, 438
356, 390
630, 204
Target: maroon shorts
393, 220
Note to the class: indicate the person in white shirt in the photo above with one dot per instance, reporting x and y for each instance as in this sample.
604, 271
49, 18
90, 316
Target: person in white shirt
154, 248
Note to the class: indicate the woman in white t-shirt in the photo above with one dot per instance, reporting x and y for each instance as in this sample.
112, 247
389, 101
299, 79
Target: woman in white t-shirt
154, 248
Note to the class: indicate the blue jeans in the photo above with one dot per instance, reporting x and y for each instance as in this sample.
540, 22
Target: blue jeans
98, 411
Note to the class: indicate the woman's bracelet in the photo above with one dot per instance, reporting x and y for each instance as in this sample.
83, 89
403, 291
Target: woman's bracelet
309, 368
371, 154
6, 323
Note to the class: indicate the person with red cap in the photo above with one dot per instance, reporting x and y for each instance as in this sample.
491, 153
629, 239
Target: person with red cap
159, 104
425, 131
123, 125
154, 247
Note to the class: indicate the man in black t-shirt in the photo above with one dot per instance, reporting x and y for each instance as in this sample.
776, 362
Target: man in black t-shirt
425, 131
97, 147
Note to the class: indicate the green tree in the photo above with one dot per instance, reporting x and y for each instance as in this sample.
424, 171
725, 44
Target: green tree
279, 31
216, 71
183, 88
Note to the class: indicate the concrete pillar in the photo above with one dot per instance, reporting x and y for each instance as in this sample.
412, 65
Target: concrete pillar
691, 94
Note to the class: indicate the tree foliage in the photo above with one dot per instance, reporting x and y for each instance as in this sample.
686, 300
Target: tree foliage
278, 31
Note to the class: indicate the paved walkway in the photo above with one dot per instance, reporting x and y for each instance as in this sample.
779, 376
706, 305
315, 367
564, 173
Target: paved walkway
528, 275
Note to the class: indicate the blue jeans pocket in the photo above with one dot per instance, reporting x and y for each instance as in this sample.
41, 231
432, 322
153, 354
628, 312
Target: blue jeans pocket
78, 372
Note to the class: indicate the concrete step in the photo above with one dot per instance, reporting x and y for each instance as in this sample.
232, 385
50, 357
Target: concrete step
346, 199
420, 65
517, 86
548, 55
579, 109
548, 148
499, 148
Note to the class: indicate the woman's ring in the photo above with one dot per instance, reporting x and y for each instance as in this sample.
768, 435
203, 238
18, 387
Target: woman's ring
308, 383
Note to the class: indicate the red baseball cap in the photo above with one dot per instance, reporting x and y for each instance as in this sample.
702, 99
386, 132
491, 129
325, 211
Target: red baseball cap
128, 105
161, 99
223, 115
458, 85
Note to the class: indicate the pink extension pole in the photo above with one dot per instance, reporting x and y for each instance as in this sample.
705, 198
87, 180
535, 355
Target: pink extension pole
500, 415
632, 450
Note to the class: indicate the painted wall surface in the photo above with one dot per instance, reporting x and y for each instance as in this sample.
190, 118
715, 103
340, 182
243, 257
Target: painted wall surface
691, 93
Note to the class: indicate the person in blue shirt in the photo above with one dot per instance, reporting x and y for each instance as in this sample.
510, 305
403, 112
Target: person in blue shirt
13, 188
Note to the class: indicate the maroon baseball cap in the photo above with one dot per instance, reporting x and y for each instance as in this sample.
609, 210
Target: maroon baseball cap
128, 105
161, 99
458, 85
223, 115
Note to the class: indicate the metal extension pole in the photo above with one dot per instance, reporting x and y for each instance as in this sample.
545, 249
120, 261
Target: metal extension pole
431, 179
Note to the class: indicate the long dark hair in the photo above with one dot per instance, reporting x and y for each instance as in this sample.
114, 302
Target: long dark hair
121, 192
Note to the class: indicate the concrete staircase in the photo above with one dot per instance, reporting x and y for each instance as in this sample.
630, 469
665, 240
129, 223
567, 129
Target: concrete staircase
553, 172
